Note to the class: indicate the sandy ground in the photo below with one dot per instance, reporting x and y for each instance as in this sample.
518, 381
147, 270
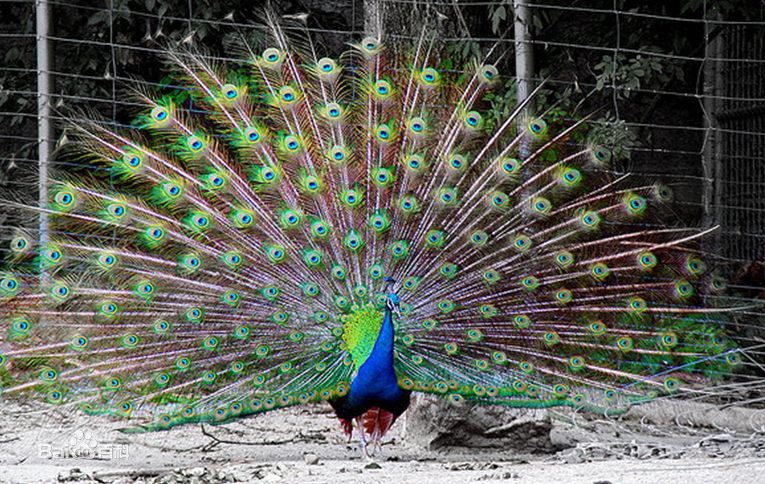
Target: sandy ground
304, 445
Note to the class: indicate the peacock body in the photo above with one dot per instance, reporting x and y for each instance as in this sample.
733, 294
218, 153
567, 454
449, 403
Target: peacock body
293, 229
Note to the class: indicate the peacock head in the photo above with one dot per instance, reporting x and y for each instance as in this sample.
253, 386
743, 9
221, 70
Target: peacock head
392, 303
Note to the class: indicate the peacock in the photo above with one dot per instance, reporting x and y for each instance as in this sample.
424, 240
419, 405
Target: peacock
293, 228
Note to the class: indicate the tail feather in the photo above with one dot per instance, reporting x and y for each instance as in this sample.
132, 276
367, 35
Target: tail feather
215, 260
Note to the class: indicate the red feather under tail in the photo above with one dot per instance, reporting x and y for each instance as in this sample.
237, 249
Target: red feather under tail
376, 423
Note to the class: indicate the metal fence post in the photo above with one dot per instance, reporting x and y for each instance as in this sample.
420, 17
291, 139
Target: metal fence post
44, 111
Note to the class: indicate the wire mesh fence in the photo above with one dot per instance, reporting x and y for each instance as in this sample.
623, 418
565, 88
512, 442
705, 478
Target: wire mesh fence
741, 154
676, 91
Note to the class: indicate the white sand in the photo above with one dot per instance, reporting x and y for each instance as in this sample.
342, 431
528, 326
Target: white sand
37, 447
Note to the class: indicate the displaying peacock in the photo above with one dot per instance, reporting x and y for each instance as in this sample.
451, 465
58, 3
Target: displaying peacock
294, 229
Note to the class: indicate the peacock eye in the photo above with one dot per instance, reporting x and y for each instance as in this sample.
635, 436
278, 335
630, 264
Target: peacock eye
252, 134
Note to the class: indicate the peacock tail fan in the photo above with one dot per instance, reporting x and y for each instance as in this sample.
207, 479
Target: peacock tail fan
227, 253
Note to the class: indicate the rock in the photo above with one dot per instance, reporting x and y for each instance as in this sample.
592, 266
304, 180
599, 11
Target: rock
561, 438
351, 471
498, 476
572, 456
72, 476
311, 459
435, 425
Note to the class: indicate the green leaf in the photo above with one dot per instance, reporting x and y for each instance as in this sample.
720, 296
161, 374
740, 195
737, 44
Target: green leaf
99, 17
537, 21
12, 54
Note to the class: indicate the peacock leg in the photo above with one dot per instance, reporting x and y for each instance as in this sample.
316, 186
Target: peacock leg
363, 439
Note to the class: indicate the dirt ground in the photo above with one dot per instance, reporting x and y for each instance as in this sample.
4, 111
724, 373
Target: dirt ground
305, 445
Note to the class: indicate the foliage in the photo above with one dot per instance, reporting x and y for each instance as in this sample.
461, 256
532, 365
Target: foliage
91, 59
616, 134
90, 65
588, 51
626, 75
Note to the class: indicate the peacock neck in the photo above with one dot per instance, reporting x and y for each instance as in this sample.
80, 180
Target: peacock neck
384, 343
